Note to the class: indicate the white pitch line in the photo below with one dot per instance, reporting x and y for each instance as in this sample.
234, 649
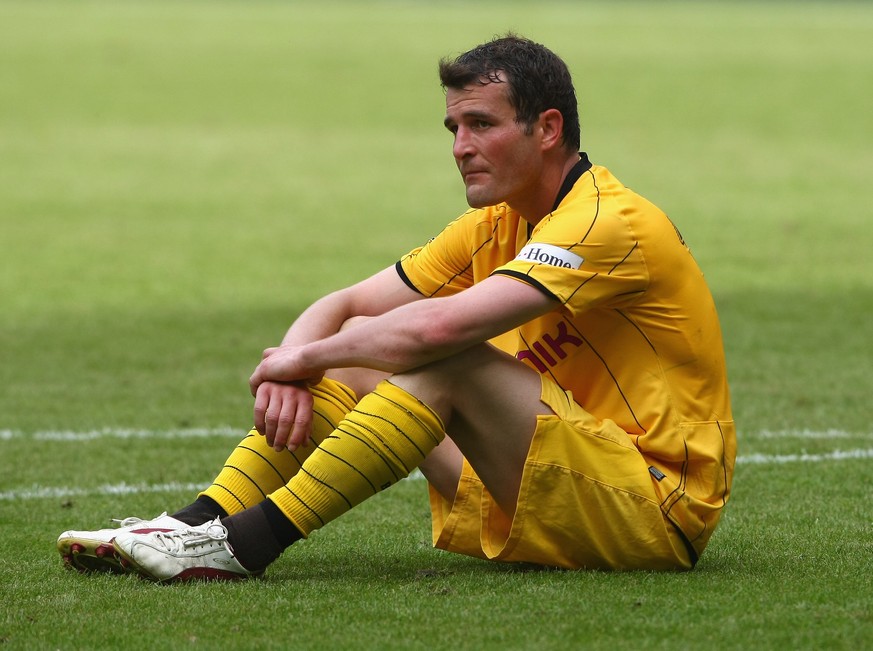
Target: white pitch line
836, 455
239, 433
36, 492
59, 492
41, 492
91, 435
829, 434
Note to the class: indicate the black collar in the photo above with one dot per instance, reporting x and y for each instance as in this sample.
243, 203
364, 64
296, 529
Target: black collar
572, 176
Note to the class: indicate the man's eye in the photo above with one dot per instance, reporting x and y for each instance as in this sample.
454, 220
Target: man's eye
481, 124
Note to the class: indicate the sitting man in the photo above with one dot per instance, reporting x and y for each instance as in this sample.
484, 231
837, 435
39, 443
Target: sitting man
552, 362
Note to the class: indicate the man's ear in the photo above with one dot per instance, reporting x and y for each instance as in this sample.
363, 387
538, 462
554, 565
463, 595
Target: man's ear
552, 125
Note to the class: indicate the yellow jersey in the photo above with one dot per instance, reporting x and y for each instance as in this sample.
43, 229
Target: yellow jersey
634, 336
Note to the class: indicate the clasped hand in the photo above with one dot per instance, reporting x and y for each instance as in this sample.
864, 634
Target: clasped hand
283, 402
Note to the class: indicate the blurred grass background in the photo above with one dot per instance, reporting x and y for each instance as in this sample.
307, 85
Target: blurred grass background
178, 180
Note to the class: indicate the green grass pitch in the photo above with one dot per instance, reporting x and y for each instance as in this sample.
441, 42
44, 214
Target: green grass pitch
179, 179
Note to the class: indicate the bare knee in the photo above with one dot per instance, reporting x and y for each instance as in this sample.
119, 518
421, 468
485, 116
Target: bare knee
458, 382
442, 468
360, 380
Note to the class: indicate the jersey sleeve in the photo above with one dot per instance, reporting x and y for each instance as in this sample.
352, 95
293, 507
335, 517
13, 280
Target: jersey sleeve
465, 252
440, 267
583, 263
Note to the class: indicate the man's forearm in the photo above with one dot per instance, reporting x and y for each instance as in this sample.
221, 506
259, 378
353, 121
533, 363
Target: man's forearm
405, 338
322, 319
376, 295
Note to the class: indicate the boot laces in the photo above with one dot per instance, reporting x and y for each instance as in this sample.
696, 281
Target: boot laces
129, 522
176, 541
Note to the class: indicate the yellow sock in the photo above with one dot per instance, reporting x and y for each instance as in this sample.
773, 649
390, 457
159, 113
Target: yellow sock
254, 469
386, 436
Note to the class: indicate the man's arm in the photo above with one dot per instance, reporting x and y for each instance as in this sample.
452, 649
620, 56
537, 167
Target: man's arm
283, 409
376, 295
412, 333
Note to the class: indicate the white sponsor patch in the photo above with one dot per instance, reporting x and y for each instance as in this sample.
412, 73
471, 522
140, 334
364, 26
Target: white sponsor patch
551, 255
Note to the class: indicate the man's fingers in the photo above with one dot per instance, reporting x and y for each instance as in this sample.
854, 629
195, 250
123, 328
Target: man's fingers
269, 351
256, 380
284, 422
262, 401
283, 414
302, 425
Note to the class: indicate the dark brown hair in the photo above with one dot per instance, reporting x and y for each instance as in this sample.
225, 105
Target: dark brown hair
538, 79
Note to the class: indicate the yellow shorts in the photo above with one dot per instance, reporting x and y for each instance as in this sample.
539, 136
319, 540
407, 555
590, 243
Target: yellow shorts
586, 501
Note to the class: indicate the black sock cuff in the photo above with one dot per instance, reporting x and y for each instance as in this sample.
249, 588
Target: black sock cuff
283, 529
259, 535
211, 505
203, 509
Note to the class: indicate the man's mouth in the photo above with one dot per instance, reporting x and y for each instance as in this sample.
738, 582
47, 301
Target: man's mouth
470, 173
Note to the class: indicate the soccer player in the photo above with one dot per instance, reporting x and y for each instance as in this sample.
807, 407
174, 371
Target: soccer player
552, 362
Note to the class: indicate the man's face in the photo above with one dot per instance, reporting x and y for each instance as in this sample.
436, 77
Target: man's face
497, 159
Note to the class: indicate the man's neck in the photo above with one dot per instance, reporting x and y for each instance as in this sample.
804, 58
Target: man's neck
543, 203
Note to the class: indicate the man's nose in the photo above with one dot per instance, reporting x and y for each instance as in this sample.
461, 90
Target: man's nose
463, 145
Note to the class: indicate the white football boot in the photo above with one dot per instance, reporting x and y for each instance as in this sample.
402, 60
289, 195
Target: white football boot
92, 551
193, 553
